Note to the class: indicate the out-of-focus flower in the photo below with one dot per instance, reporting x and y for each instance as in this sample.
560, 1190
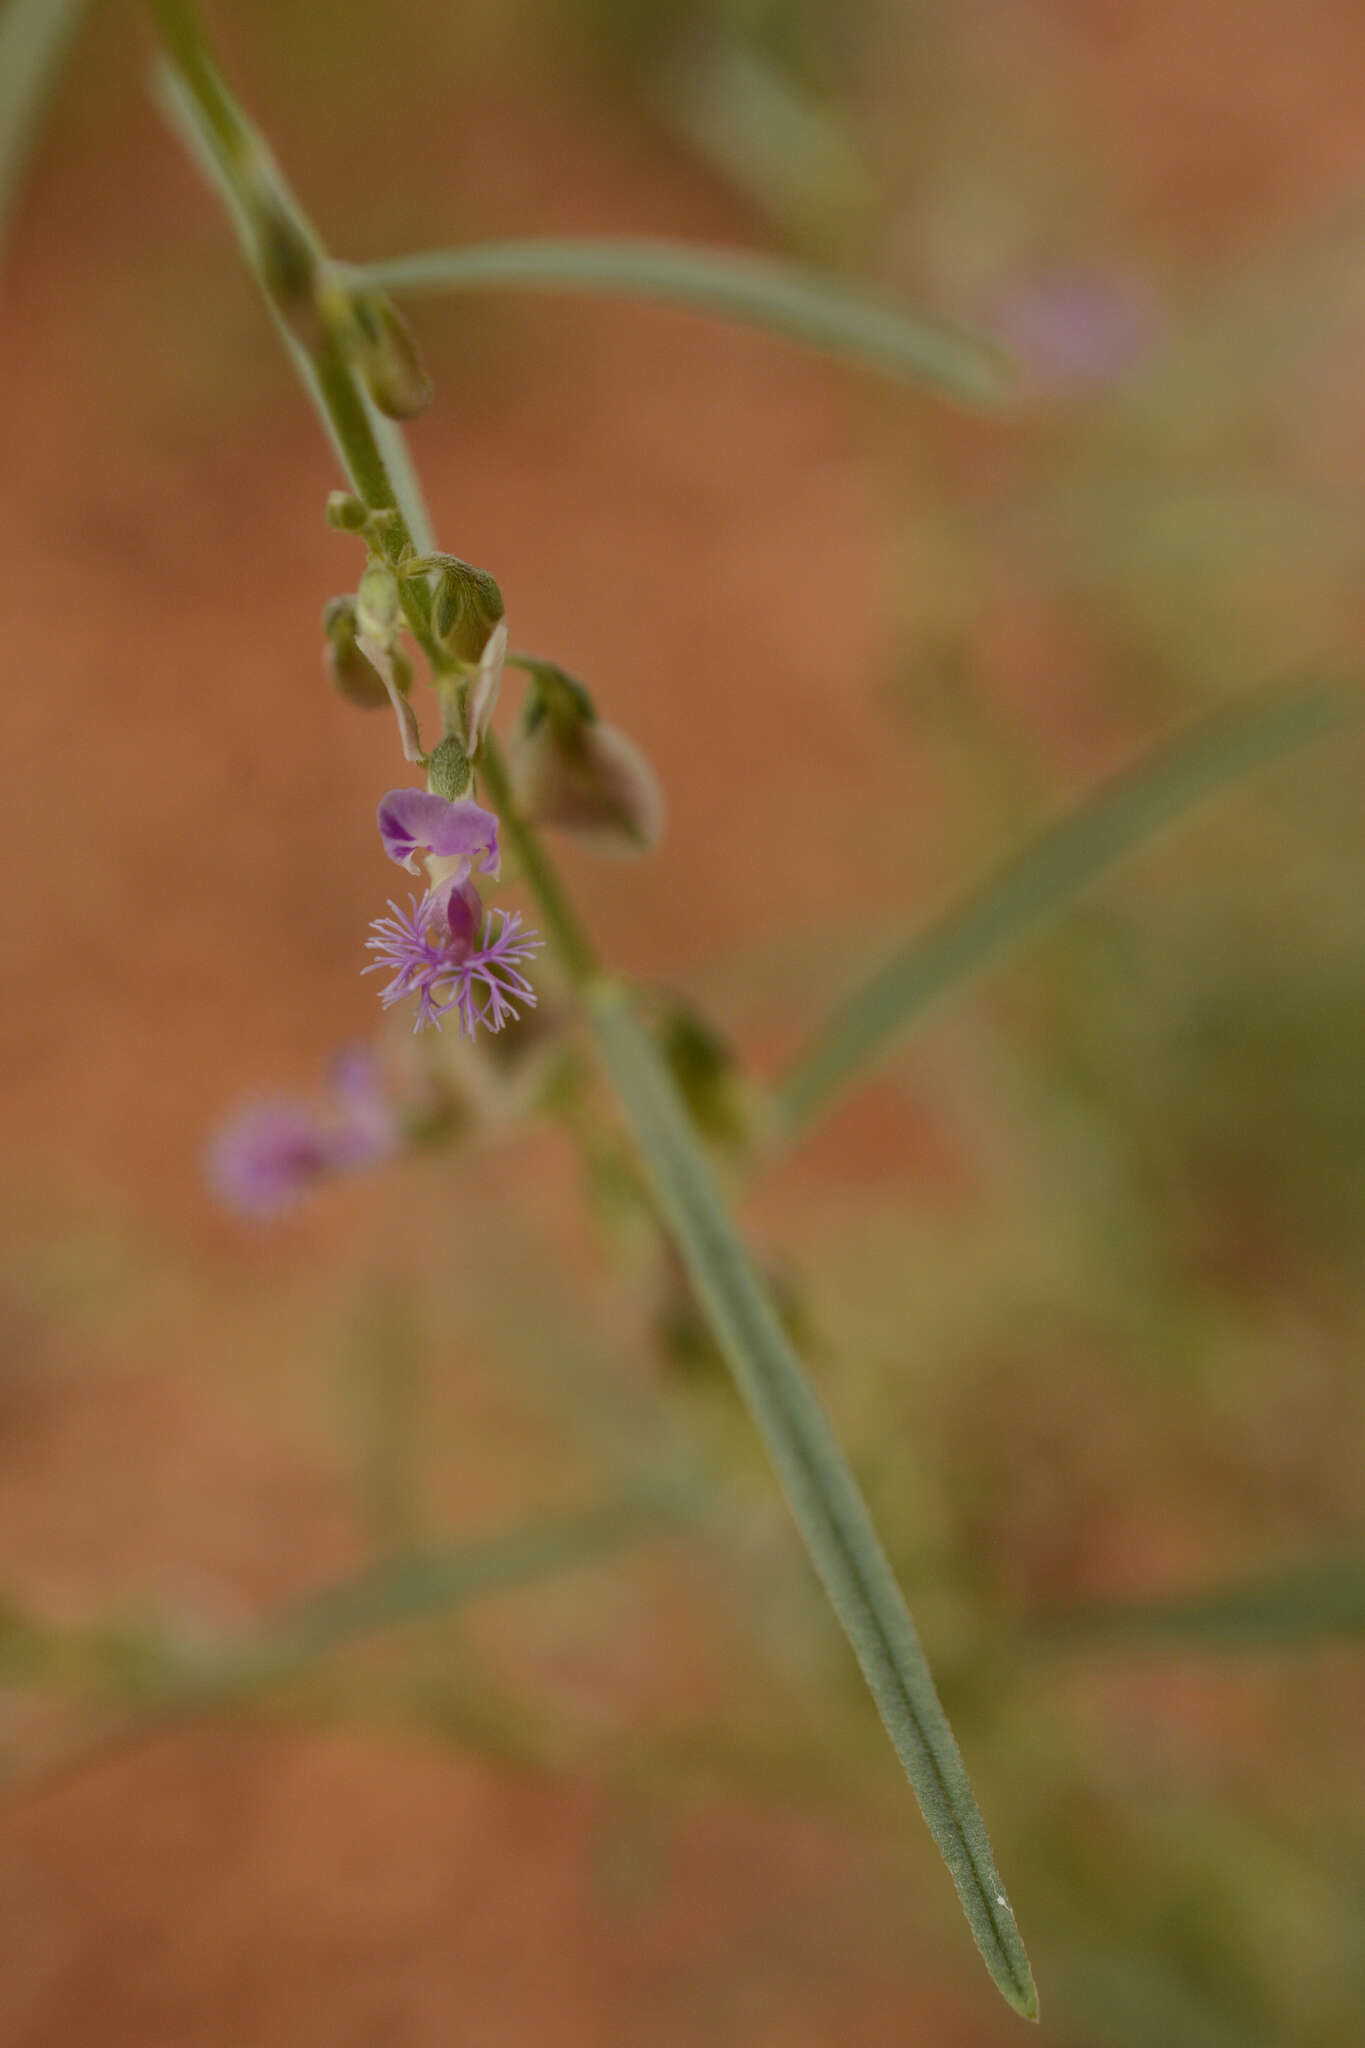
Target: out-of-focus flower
435, 954
269, 1154
366, 1124
1072, 328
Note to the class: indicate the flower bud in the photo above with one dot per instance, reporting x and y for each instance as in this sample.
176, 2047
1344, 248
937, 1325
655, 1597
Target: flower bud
381, 344
588, 779
377, 604
286, 258
467, 608
346, 512
352, 675
448, 771
683, 1333
708, 1076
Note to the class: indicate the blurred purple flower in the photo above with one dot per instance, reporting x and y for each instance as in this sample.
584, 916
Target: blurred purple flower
1074, 328
413, 821
432, 951
365, 1128
269, 1154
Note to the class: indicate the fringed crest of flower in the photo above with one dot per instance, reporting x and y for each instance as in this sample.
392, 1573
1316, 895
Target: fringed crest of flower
434, 954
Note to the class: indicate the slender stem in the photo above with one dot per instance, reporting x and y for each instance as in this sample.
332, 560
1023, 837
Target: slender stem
188, 49
254, 183
355, 437
343, 407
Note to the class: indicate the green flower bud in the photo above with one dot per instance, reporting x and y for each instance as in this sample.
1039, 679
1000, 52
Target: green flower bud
382, 346
286, 257
683, 1333
555, 695
708, 1076
467, 608
338, 617
448, 771
287, 263
346, 512
377, 604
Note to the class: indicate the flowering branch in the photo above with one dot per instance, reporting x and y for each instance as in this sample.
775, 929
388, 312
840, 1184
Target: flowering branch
347, 347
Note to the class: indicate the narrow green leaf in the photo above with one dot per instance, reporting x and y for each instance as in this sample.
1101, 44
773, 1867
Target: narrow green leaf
176, 1678
1316, 1603
1041, 879
729, 284
35, 36
823, 1494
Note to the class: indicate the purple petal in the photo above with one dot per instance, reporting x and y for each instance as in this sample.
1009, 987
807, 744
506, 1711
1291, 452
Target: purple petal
268, 1155
1074, 328
366, 1129
456, 904
355, 1075
413, 821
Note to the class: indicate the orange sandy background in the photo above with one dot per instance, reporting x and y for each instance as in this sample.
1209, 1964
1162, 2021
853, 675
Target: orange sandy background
747, 554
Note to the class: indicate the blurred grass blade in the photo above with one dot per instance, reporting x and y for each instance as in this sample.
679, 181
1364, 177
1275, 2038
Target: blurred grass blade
35, 36
823, 1494
405, 1589
181, 1679
1040, 880
758, 291
1316, 1603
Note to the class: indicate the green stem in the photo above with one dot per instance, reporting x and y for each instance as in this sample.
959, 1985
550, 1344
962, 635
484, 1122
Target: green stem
353, 431
188, 49
355, 437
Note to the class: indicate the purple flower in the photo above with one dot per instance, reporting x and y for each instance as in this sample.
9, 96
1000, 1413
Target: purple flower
413, 821
365, 1128
431, 948
269, 1154
1075, 328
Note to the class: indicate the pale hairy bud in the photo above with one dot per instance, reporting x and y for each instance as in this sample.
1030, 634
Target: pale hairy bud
467, 608
448, 771
377, 604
